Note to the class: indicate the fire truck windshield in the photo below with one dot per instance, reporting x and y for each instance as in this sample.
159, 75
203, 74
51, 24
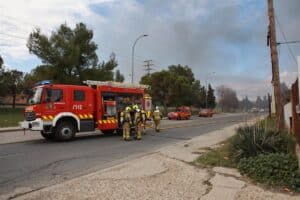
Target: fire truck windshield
36, 96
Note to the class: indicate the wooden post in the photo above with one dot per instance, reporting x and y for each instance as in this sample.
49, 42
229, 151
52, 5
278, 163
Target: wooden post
275, 68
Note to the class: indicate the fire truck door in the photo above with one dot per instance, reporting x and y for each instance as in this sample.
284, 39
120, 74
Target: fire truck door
81, 105
54, 103
83, 108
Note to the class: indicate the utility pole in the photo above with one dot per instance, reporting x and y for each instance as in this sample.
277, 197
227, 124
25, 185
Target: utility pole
148, 64
275, 68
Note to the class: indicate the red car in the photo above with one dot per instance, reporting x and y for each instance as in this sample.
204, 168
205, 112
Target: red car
182, 112
206, 113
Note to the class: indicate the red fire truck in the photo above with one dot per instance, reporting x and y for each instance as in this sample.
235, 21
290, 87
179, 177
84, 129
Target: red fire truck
60, 111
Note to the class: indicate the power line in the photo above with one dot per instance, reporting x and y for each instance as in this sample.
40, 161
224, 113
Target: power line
286, 42
17, 20
14, 36
289, 42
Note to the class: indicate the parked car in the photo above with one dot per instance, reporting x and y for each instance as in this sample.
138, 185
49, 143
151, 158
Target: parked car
183, 112
206, 113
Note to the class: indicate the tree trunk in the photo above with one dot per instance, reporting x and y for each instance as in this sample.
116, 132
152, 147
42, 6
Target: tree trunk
14, 101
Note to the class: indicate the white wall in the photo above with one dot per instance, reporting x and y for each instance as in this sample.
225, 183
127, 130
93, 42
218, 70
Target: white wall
273, 108
287, 114
298, 58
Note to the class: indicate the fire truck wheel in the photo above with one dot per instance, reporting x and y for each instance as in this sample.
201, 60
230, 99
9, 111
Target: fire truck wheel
48, 136
65, 131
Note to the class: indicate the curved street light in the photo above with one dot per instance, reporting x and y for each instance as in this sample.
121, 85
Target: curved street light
132, 56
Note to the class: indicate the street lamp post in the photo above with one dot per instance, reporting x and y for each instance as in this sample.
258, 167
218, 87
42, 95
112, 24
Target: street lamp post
207, 89
132, 56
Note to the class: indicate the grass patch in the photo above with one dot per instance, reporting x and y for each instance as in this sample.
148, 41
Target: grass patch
11, 117
217, 157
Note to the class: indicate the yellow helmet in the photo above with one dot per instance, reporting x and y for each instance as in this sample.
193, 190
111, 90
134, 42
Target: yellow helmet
128, 108
135, 107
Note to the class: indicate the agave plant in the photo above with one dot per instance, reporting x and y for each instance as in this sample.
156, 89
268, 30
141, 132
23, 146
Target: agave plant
257, 139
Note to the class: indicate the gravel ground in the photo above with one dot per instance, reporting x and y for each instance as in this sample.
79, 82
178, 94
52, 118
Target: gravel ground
151, 177
252, 192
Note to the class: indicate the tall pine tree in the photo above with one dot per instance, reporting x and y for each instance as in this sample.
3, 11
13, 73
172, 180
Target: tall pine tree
211, 99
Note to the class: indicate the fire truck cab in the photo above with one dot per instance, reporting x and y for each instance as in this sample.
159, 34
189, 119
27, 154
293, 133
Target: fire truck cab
60, 111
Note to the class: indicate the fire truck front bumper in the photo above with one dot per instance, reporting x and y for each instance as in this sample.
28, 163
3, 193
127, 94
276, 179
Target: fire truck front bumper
36, 125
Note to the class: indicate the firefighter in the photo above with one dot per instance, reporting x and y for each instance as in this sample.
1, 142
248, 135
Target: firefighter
144, 118
125, 119
138, 124
157, 117
133, 111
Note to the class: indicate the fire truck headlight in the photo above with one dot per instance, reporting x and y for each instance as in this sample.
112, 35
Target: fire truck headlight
35, 124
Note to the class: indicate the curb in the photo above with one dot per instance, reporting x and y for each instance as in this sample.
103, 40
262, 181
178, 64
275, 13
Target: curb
10, 129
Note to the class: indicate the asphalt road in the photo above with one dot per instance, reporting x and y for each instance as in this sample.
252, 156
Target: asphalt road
36, 164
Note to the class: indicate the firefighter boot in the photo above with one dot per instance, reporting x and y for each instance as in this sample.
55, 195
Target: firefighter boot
139, 131
126, 131
157, 125
143, 129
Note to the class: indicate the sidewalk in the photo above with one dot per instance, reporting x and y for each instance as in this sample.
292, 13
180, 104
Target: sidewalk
8, 129
165, 174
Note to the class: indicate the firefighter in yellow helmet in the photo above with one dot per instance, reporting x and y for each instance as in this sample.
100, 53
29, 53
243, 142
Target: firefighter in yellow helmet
144, 118
138, 124
157, 116
125, 120
135, 107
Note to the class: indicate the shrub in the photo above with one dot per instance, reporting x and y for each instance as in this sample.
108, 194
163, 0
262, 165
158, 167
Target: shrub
253, 140
274, 169
268, 124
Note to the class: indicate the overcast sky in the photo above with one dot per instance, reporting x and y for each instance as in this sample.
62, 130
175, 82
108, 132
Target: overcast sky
227, 37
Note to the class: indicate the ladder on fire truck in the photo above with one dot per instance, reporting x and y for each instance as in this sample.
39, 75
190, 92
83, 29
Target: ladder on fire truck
115, 84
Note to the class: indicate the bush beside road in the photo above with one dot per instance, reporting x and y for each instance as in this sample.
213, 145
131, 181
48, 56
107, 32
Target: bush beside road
261, 153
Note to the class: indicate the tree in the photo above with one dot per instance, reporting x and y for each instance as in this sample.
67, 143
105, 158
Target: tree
185, 71
246, 104
198, 94
13, 80
227, 98
2, 87
175, 87
211, 99
160, 87
103, 71
1, 62
69, 56
259, 102
118, 76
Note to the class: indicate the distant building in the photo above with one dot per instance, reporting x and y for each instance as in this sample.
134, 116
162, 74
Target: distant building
288, 115
292, 114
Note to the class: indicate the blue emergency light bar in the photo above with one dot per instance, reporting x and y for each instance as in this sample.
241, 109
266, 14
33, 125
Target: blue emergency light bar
44, 82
